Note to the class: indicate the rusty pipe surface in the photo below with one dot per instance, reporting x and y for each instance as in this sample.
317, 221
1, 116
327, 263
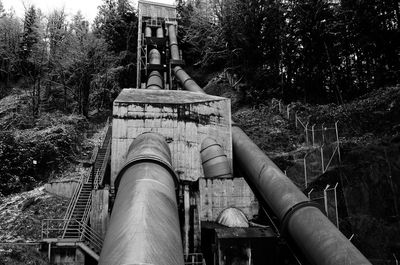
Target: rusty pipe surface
144, 225
320, 241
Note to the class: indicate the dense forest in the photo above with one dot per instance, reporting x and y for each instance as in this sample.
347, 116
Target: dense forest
64, 62
314, 50
54, 70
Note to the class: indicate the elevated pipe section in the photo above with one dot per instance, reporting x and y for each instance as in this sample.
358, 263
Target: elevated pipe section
173, 42
154, 80
144, 226
160, 33
147, 32
318, 239
214, 160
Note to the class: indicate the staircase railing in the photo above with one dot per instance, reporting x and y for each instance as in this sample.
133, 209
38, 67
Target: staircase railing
105, 161
57, 228
54, 228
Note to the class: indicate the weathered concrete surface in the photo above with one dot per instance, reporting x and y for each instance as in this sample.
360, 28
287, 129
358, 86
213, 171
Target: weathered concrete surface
185, 119
63, 188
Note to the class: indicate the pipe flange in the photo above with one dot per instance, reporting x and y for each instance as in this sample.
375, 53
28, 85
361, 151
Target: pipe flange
146, 158
188, 79
292, 210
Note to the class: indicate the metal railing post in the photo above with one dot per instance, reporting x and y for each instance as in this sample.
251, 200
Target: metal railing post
309, 193
326, 200
305, 171
322, 159
322, 132
336, 206
337, 139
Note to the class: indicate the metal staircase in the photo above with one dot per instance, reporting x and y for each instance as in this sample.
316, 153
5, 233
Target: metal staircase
74, 226
82, 200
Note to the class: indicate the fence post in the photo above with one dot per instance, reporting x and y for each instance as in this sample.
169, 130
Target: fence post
279, 106
336, 206
313, 135
338, 143
306, 130
323, 132
295, 119
326, 200
305, 171
322, 159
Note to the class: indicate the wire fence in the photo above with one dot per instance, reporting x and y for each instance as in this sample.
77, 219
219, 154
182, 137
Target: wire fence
321, 141
322, 147
327, 198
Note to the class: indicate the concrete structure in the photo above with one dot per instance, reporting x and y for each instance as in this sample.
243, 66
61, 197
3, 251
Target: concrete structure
185, 119
64, 188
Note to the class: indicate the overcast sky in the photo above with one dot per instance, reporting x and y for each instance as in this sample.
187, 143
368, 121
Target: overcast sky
87, 7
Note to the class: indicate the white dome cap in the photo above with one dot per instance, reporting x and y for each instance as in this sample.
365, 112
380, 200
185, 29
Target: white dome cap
232, 217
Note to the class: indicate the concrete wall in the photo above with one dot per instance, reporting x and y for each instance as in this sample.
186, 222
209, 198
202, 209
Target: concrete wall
184, 118
64, 188
67, 255
99, 217
219, 194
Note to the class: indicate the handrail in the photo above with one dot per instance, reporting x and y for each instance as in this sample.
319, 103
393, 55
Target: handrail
105, 161
85, 215
73, 199
83, 229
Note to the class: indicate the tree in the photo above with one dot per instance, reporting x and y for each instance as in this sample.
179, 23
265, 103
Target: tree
10, 29
116, 22
2, 11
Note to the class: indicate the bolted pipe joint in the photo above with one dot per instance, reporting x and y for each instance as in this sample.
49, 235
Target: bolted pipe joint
154, 81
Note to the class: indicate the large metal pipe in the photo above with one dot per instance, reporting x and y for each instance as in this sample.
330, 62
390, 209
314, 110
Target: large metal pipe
214, 160
187, 82
173, 43
144, 226
154, 56
160, 33
320, 241
154, 80
147, 32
